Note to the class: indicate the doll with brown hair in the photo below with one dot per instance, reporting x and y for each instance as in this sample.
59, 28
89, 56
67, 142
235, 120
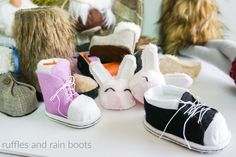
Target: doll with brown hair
187, 22
191, 28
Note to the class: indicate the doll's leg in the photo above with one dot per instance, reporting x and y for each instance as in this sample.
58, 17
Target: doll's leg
226, 47
210, 55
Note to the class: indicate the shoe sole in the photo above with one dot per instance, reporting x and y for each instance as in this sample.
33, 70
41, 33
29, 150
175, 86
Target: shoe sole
70, 123
180, 141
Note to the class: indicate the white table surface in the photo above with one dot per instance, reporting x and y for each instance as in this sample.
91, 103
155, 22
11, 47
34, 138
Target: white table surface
120, 133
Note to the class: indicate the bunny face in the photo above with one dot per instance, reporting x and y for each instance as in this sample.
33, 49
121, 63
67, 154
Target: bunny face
114, 92
116, 95
149, 76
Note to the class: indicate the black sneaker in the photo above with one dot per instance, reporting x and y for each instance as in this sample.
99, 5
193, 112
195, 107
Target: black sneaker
176, 115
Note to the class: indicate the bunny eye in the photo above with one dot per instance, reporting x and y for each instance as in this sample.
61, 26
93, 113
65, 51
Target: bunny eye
127, 90
146, 78
110, 89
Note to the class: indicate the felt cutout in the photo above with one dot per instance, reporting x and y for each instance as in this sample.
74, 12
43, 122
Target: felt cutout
126, 69
100, 74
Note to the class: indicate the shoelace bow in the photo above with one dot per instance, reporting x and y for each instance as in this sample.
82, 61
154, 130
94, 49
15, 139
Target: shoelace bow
69, 86
195, 108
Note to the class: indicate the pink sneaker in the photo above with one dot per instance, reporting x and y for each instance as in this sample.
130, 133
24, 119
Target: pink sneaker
62, 103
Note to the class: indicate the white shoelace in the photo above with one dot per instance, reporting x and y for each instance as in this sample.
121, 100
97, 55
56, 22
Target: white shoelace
70, 83
191, 111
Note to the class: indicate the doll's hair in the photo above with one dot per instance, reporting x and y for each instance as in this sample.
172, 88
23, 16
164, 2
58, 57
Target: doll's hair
186, 22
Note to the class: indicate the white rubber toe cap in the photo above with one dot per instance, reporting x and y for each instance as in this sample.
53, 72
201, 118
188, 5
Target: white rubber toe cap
84, 110
217, 133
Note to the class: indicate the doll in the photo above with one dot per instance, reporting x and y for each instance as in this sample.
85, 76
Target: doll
81, 10
186, 22
7, 14
221, 53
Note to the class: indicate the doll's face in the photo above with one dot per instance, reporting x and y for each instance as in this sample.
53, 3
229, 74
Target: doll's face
16, 3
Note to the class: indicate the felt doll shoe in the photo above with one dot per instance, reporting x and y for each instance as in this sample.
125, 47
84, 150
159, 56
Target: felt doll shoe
62, 103
176, 115
150, 75
17, 98
171, 64
86, 85
84, 60
113, 47
114, 92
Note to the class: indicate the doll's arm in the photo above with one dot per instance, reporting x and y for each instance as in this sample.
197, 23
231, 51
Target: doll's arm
210, 55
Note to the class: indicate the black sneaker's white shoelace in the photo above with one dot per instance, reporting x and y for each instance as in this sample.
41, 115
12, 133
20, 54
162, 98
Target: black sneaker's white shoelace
195, 108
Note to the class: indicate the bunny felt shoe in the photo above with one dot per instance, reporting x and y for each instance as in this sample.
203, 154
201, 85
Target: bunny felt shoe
62, 103
113, 47
114, 92
150, 75
174, 114
83, 61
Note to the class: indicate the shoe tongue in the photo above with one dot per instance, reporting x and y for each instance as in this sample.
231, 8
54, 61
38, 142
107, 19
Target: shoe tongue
187, 97
62, 69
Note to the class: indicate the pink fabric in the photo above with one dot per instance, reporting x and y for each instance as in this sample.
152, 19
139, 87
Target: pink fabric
118, 99
50, 83
139, 85
114, 92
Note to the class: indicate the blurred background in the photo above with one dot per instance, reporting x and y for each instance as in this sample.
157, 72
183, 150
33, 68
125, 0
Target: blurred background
152, 10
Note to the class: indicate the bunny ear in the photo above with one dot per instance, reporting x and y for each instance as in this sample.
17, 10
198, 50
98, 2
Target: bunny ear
150, 58
127, 67
100, 74
178, 79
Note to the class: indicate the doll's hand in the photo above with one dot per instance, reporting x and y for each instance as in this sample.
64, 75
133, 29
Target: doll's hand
16, 3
